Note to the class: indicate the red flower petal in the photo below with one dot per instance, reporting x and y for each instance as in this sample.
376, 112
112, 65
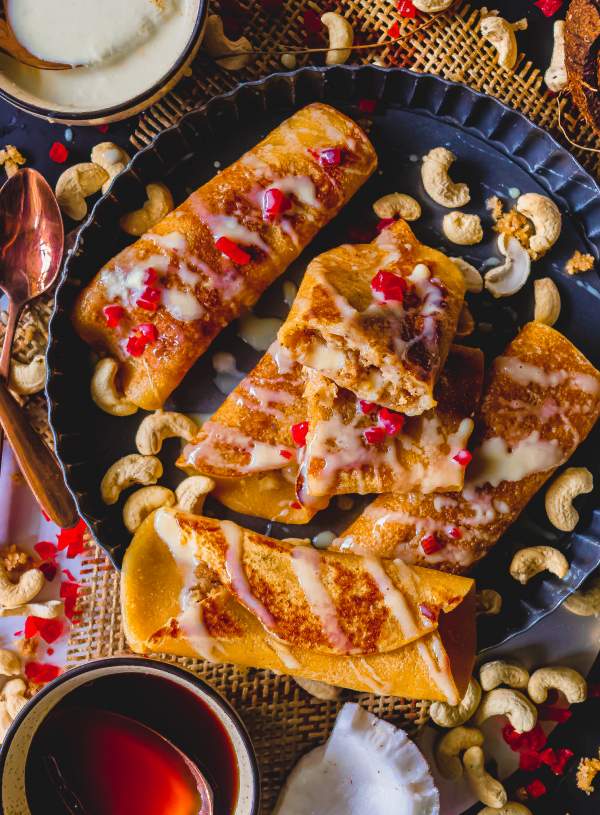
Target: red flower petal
39, 673
548, 7
69, 575
58, 153
533, 740
536, 789
46, 550
406, 8
72, 539
231, 250
49, 630
394, 31
69, 590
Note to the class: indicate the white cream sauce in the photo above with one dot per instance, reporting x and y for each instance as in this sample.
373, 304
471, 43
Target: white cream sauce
258, 332
261, 456
493, 462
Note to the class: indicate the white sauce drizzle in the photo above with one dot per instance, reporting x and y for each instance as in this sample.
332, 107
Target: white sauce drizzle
494, 462
258, 332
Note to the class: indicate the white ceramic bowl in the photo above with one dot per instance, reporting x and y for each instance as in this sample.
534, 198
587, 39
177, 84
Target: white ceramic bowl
23, 93
15, 748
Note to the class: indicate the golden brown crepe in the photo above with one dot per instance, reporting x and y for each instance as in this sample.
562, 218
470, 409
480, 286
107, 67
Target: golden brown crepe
541, 400
212, 257
341, 457
385, 342
202, 587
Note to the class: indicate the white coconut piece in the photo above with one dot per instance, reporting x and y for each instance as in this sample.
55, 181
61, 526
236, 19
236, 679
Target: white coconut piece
366, 766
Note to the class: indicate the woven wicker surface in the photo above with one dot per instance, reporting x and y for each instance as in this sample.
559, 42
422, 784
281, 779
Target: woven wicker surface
282, 719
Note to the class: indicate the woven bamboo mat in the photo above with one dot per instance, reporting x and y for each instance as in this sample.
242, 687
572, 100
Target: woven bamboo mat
283, 720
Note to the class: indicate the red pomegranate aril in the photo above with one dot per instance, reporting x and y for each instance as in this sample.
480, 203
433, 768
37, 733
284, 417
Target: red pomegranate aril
374, 435
150, 277
548, 7
299, 432
274, 203
431, 544
58, 153
285, 454
557, 759
113, 315
389, 286
463, 457
367, 407
136, 345
384, 223
454, 532
330, 156
150, 298
529, 761
148, 331
428, 612
231, 250
296, 505
391, 421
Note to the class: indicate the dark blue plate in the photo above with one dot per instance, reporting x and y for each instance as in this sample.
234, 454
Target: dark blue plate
499, 152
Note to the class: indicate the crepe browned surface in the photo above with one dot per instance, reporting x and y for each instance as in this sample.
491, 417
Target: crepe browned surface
229, 204
339, 459
390, 353
541, 385
378, 647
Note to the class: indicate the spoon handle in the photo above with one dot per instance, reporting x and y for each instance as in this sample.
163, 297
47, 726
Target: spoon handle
37, 463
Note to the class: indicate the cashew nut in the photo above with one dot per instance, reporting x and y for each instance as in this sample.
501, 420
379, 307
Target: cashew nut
585, 602
131, 469
10, 664
158, 204
473, 280
546, 219
488, 602
556, 73
567, 680
103, 389
216, 44
453, 715
27, 379
12, 699
49, 610
521, 713
341, 37
162, 425
501, 34
510, 276
438, 184
449, 747
567, 486
466, 322
510, 808
111, 158
29, 585
431, 6
499, 672
463, 229
144, 501
192, 492
397, 205
320, 690
74, 186
547, 301
485, 787
528, 562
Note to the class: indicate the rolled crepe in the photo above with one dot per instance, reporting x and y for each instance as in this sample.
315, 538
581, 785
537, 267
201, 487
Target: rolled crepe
201, 587
541, 400
341, 457
177, 286
378, 318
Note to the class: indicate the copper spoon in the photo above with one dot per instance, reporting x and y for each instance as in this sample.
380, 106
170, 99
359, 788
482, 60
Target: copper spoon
10, 45
31, 251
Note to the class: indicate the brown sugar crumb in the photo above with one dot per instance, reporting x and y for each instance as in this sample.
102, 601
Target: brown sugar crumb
11, 159
495, 207
514, 225
587, 770
578, 262
15, 559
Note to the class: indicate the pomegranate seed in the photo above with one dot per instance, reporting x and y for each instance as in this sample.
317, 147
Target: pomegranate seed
532, 740
463, 457
285, 454
454, 532
113, 314
391, 421
384, 223
394, 31
367, 105
299, 432
328, 156
136, 345
296, 505
49, 651
367, 407
150, 277
58, 153
548, 7
374, 435
150, 298
274, 203
431, 544
428, 612
554, 714
406, 8
232, 251
388, 286
536, 789
148, 331
102, 128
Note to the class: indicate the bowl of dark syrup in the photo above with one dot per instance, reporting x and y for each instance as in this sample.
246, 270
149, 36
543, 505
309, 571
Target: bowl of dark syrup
128, 736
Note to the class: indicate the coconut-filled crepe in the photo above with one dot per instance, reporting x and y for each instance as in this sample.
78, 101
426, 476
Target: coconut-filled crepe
541, 400
378, 318
248, 445
353, 446
197, 586
160, 302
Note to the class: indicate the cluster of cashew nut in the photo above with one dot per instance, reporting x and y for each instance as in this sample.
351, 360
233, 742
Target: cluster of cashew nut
159, 202
12, 695
561, 493
233, 55
462, 228
501, 34
82, 180
533, 560
397, 205
144, 468
28, 378
437, 182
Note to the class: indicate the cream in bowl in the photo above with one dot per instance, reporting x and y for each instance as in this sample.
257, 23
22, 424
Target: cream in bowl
127, 53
